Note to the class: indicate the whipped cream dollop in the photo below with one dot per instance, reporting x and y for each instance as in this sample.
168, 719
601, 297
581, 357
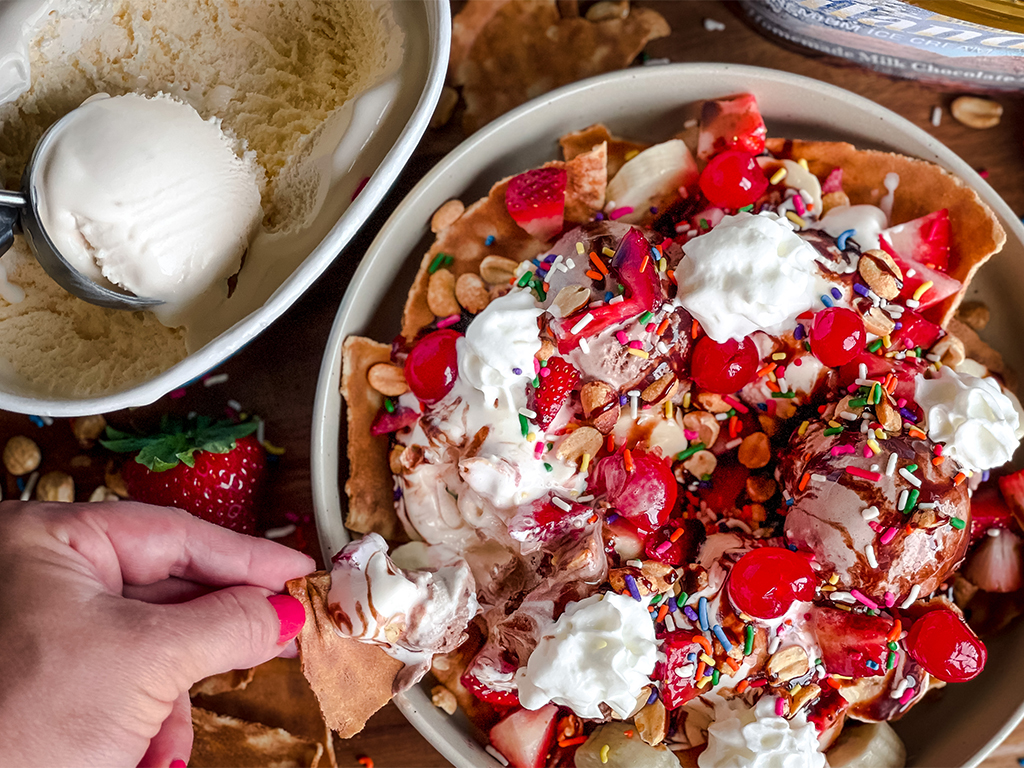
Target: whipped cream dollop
749, 273
600, 651
978, 424
412, 614
501, 340
756, 737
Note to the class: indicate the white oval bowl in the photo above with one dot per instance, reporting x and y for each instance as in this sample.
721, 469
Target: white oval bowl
651, 103
384, 152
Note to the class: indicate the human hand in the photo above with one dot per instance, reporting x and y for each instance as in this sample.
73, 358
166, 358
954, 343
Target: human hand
109, 612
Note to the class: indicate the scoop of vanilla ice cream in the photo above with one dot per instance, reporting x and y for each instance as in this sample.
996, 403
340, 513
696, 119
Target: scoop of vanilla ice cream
147, 195
600, 651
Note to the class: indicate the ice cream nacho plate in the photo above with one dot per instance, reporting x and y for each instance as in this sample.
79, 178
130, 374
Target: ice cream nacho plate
653, 104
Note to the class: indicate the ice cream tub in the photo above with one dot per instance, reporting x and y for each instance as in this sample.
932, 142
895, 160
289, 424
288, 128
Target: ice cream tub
323, 101
652, 103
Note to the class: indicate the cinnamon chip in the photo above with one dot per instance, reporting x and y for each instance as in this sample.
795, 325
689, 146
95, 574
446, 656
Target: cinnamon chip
506, 53
975, 233
221, 740
233, 680
487, 229
371, 505
619, 150
351, 680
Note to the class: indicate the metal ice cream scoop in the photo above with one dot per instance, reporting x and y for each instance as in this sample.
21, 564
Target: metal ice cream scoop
19, 213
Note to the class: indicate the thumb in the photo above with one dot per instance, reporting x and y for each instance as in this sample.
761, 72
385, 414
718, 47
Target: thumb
232, 628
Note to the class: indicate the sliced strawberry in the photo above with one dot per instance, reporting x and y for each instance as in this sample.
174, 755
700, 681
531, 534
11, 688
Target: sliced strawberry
524, 738
833, 182
646, 493
635, 267
1012, 488
916, 274
828, 713
499, 688
536, 201
386, 422
989, 510
681, 651
924, 240
852, 644
554, 390
996, 565
733, 123
915, 331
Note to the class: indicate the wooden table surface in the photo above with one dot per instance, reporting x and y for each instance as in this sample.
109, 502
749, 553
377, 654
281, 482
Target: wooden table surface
275, 376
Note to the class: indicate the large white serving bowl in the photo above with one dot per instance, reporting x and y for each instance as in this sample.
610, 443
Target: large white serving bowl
389, 121
966, 721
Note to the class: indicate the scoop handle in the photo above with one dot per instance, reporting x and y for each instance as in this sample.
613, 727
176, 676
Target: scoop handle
11, 204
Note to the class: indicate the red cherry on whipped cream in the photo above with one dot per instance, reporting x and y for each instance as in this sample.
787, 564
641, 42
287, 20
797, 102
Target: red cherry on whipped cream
836, 336
723, 368
433, 365
733, 179
943, 644
766, 581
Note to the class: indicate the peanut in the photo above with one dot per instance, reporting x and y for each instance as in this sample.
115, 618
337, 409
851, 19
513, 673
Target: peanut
652, 723
88, 429
606, 10
56, 486
701, 463
445, 106
571, 298
388, 379
760, 488
446, 215
806, 693
754, 451
102, 493
441, 294
712, 402
547, 349
21, 455
497, 270
950, 350
601, 405
789, 663
583, 440
471, 292
660, 389
976, 112
833, 200
888, 416
443, 699
881, 273
877, 322
704, 424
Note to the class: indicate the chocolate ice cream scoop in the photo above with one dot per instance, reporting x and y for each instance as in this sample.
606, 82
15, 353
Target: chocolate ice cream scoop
886, 527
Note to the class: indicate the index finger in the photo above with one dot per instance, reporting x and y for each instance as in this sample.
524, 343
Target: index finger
149, 544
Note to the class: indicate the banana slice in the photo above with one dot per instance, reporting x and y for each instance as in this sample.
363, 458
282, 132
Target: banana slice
872, 745
610, 747
651, 180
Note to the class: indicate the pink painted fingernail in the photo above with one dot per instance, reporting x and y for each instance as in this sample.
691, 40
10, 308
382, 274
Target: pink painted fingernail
178, 764
290, 613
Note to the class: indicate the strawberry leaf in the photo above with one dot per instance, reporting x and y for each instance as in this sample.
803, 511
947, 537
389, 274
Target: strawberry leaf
178, 441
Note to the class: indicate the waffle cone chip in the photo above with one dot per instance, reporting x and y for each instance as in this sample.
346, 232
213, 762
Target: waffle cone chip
220, 741
975, 233
371, 506
506, 53
351, 680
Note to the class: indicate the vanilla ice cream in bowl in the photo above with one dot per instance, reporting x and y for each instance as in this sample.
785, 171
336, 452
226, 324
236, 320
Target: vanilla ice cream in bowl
191, 170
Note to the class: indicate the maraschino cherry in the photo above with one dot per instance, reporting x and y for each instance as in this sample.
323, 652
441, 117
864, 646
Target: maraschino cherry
433, 365
766, 581
942, 643
723, 368
836, 336
732, 179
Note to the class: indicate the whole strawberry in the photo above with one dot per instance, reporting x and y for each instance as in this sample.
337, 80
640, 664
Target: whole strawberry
215, 470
